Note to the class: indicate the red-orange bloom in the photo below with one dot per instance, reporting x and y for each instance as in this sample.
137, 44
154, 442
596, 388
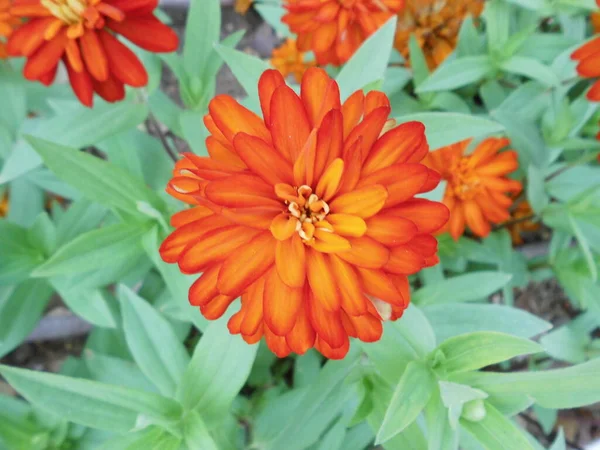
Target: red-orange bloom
588, 57
334, 29
309, 214
83, 34
289, 60
477, 184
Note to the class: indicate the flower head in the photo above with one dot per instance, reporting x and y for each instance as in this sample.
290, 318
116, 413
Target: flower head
334, 29
83, 34
289, 60
588, 58
308, 213
477, 184
435, 24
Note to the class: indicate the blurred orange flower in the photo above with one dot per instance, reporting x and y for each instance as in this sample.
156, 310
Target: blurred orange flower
7, 24
435, 24
477, 184
520, 213
83, 34
588, 56
334, 29
242, 6
308, 213
289, 60
4, 205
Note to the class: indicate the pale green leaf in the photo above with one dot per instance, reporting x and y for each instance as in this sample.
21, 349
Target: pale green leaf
457, 73
463, 288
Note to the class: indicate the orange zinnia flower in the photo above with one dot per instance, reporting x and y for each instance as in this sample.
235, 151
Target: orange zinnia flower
477, 184
588, 57
309, 214
83, 34
334, 29
435, 24
289, 60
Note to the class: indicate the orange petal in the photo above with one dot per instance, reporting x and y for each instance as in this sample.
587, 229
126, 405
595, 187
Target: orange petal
216, 307
305, 163
332, 353
232, 118
146, 32
396, 146
328, 242
347, 225
352, 111
368, 328
353, 299
374, 100
302, 337
223, 152
320, 94
588, 49
404, 260
190, 215
322, 281
46, 57
283, 226
475, 219
501, 165
254, 338
290, 259
204, 289
289, 124
214, 246
380, 285
262, 159
402, 181
281, 304
369, 129
241, 191
254, 308
366, 252
111, 90
327, 324
235, 322
363, 202
174, 244
353, 159
390, 230
247, 264
276, 344
330, 180
82, 85
25, 40
329, 142
423, 244
94, 55
124, 64
259, 218
269, 81
428, 216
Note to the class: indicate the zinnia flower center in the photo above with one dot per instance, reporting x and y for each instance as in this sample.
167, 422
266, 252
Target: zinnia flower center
80, 13
310, 212
464, 182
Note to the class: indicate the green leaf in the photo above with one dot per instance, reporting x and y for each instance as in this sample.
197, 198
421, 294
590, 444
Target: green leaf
473, 351
410, 397
153, 343
496, 432
463, 288
246, 68
440, 434
536, 193
531, 68
90, 403
559, 443
92, 305
565, 388
306, 369
369, 62
524, 135
95, 250
20, 310
81, 216
96, 179
458, 73
117, 371
455, 396
202, 31
218, 370
166, 110
12, 93
196, 435
321, 403
497, 24
443, 129
18, 257
416, 330
452, 319
272, 14
417, 61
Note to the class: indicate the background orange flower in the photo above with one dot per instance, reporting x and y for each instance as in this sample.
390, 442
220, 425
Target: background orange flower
289, 60
7, 25
588, 57
82, 34
519, 214
309, 215
334, 29
477, 188
435, 24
